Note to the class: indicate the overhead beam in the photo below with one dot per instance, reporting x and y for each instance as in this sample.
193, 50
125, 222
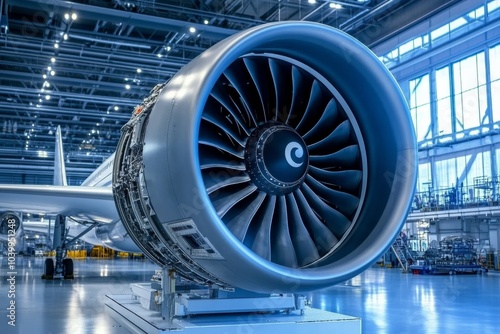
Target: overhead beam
117, 16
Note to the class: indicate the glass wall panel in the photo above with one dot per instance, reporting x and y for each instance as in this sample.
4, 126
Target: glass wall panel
469, 92
481, 167
493, 5
446, 173
420, 107
424, 177
495, 101
443, 107
494, 54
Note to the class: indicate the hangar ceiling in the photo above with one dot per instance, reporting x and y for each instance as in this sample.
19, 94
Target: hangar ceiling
85, 64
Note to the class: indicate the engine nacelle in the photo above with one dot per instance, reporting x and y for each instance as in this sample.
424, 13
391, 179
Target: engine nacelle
10, 224
282, 159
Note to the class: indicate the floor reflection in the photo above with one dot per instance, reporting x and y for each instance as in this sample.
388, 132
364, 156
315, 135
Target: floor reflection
386, 300
389, 301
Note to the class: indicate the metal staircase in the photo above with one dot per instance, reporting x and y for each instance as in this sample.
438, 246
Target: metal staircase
403, 253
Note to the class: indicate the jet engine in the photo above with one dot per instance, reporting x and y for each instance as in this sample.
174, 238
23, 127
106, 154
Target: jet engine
9, 221
282, 159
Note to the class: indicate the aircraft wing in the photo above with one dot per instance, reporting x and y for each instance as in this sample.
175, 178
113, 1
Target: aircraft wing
87, 203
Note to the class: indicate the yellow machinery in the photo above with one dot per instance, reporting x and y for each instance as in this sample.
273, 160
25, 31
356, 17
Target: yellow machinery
77, 254
102, 252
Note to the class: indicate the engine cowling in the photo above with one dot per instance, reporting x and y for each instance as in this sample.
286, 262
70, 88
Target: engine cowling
281, 159
10, 224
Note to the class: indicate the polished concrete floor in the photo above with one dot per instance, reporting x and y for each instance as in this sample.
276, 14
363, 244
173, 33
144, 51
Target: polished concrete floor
386, 300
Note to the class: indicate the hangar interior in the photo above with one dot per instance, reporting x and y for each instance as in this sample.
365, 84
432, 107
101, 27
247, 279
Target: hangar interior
85, 65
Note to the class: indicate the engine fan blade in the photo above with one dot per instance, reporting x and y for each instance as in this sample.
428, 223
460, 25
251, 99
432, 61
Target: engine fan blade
338, 137
261, 80
322, 235
281, 77
217, 119
344, 202
346, 157
215, 180
347, 180
247, 101
219, 94
282, 250
226, 199
262, 242
299, 85
239, 221
211, 157
314, 103
325, 123
213, 139
304, 246
333, 219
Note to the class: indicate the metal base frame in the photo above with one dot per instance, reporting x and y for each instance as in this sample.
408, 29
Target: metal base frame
127, 311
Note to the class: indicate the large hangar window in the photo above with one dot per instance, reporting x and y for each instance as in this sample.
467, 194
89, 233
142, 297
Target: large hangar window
462, 171
469, 86
420, 107
494, 54
424, 177
443, 103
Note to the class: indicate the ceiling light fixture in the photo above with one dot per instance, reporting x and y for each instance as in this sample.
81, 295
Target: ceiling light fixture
192, 30
52, 60
74, 16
